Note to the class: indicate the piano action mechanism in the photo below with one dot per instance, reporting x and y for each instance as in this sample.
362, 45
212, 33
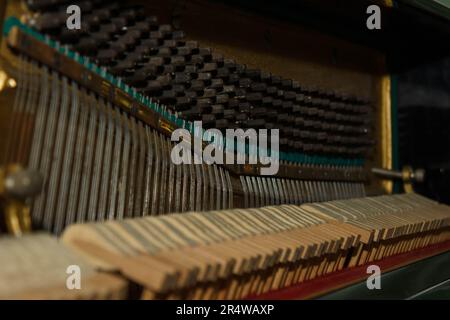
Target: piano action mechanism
87, 117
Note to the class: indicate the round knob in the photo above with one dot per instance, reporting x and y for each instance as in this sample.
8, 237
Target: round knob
23, 183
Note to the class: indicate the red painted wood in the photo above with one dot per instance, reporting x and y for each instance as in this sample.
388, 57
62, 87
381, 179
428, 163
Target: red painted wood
343, 278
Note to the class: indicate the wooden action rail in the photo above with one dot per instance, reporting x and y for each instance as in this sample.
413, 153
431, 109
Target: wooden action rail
239, 253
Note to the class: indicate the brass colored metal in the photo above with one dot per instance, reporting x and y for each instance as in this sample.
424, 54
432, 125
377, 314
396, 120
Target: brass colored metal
6, 82
16, 212
407, 175
386, 130
3, 79
17, 215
